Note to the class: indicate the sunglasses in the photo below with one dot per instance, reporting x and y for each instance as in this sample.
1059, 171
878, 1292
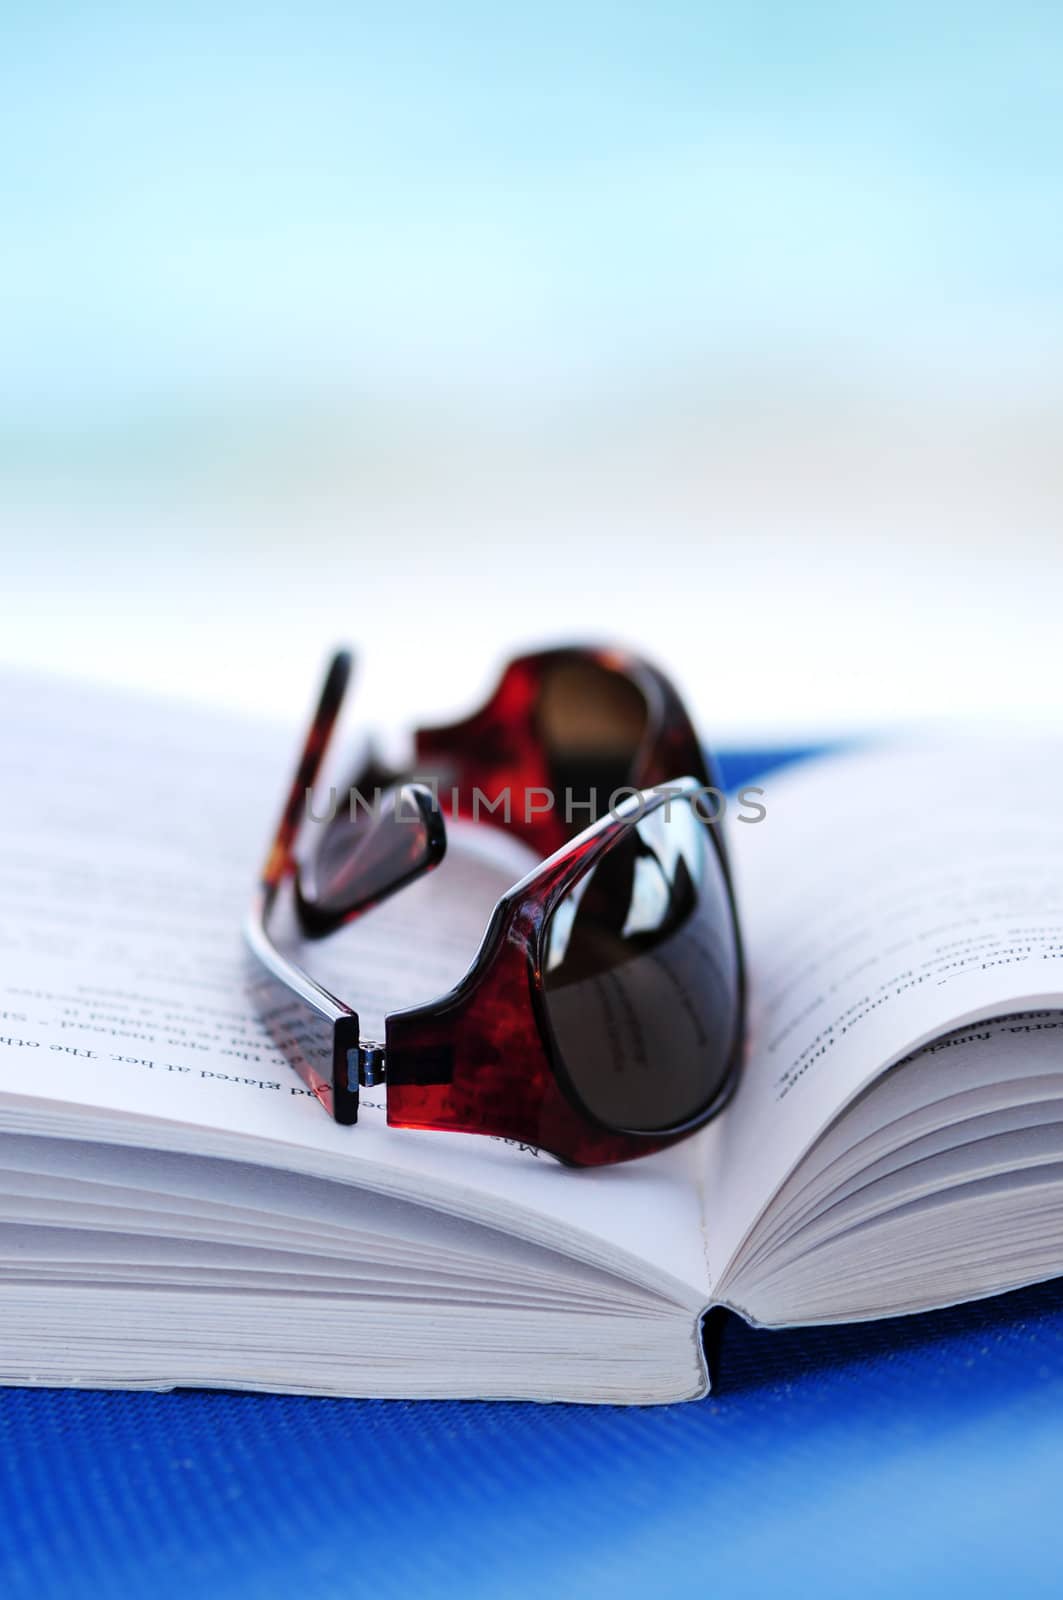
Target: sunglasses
602, 1017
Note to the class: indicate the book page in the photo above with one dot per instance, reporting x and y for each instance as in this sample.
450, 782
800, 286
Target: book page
133, 832
887, 897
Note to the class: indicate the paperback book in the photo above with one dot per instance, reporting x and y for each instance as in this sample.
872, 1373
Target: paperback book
176, 1209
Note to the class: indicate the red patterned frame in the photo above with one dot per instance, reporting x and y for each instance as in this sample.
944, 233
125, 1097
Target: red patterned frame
481, 1059
499, 747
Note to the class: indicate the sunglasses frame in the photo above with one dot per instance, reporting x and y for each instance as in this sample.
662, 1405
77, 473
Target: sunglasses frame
482, 1057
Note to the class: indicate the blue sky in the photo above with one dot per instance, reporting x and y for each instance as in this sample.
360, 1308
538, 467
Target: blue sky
438, 201
674, 322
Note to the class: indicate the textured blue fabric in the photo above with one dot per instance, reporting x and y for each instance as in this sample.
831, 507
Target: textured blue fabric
921, 1456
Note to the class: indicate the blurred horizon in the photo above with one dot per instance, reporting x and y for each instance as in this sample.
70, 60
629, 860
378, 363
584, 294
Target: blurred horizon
736, 335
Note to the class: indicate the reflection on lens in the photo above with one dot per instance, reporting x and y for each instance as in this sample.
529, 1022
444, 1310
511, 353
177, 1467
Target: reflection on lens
640, 975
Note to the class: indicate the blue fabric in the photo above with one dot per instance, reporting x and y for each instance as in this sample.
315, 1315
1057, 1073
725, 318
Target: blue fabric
920, 1456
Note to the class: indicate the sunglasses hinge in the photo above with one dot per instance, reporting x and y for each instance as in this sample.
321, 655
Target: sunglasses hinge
369, 1062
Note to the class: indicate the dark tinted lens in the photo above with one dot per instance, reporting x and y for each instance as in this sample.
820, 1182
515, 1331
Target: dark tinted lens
589, 708
367, 857
362, 857
592, 722
640, 975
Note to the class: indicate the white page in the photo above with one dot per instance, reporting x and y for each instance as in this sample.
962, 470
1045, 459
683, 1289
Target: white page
888, 896
132, 834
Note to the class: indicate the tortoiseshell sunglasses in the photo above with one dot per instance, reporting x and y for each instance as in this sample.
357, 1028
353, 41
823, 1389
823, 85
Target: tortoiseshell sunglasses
602, 1017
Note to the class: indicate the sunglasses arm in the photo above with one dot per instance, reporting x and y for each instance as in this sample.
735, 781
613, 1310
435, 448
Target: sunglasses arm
316, 1033
281, 858
320, 1035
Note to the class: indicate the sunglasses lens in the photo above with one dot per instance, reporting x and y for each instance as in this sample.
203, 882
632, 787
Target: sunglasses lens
363, 858
641, 976
592, 721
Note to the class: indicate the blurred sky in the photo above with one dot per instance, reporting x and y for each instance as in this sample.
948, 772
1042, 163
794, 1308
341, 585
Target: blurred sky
735, 332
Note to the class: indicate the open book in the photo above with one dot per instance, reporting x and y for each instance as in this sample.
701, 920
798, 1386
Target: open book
175, 1208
